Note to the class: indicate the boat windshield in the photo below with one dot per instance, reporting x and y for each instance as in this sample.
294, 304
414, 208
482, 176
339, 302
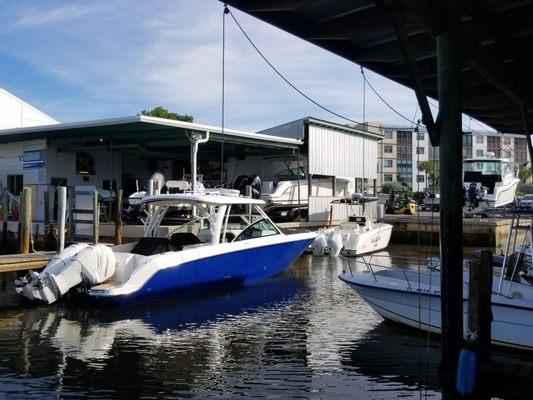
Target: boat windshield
261, 228
485, 167
289, 174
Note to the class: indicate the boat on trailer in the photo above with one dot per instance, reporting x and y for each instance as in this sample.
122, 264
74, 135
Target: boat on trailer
230, 240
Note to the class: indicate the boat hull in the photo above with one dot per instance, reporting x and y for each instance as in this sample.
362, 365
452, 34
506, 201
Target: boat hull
214, 271
512, 324
367, 242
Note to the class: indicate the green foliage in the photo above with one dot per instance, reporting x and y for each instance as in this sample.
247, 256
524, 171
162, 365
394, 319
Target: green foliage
388, 186
524, 188
524, 174
432, 172
161, 112
417, 196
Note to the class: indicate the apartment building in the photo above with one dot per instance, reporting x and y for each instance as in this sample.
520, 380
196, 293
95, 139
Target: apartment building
403, 148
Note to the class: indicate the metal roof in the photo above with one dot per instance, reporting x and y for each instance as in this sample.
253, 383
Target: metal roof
497, 45
137, 128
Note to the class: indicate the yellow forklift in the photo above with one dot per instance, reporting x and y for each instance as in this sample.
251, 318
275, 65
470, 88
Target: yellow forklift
400, 202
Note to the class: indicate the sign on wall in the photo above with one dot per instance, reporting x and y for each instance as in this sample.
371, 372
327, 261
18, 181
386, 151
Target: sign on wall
32, 159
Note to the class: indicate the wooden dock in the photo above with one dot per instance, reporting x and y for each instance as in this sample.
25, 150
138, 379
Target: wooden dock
22, 262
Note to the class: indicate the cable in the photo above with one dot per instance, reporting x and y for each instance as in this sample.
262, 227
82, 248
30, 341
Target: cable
292, 85
385, 101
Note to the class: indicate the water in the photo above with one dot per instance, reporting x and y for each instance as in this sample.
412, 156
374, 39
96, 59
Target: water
302, 334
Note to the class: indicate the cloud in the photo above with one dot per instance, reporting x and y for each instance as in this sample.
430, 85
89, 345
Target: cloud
118, 57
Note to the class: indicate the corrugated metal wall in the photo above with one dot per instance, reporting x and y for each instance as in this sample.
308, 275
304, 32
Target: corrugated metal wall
336, 153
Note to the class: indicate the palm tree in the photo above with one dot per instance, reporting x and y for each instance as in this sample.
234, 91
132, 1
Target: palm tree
432, 171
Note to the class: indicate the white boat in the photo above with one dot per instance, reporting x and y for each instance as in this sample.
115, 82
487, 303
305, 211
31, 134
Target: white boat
283, 189
361, 236
488, 182
230, 240
412, 298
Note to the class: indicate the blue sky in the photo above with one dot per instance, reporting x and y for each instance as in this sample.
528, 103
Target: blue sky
82, 60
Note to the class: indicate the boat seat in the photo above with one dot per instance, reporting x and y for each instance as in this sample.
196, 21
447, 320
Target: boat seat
147, 246
180, 239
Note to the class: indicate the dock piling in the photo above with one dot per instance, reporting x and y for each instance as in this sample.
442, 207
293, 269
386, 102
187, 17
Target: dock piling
25, 220
5, 214
61, 215
118, 218
96, 218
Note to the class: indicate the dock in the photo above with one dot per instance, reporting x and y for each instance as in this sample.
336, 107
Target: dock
22, 262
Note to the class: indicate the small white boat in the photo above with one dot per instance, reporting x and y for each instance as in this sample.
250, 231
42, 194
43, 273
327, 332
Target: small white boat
412, 298
229, 240
488, 182
361, 236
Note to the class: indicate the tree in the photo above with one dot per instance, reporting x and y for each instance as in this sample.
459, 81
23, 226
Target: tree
161, 112
386, 187
524, 174
432, 172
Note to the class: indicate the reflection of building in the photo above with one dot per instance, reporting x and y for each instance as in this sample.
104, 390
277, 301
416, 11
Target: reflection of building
405, 147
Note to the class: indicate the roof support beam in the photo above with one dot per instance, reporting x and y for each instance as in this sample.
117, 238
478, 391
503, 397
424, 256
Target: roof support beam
427, 116
528, 135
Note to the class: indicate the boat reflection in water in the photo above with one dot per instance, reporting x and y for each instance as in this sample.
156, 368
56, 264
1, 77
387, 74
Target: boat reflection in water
88, 334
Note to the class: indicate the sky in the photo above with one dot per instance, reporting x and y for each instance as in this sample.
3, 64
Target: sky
92, 59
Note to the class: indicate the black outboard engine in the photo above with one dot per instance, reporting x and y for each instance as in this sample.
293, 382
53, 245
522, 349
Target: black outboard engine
475, 194
254, 181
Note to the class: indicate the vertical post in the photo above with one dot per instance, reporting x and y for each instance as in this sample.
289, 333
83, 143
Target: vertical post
47, 226
298, 177
249, 206
25, 220
481, 285
451, 221
61, 215
96, 218
333, 186
5, 215
71, 225
118, 218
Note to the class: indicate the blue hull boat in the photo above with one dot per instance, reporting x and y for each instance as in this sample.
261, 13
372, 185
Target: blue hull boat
231, 241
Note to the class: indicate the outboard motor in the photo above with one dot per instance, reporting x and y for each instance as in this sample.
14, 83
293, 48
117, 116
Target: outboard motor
318, 246
334, 243
475, 194
254, 181
76, 264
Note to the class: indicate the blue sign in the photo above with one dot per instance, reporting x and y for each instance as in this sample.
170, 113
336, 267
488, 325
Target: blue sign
32, 159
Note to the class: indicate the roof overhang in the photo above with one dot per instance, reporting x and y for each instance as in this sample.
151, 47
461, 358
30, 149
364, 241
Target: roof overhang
497, 45
140, 127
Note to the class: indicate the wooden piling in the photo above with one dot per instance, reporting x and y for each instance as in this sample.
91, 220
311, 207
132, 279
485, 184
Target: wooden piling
61, 215
118, 218
71, 225
96, 218
5, 215
451, 218
25, 220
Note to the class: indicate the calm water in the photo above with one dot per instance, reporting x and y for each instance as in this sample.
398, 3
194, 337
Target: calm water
303, 334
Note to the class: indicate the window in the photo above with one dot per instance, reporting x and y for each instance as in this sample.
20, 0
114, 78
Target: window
258, 229
387, 149
506, 141
494, 145
387, 163
419, 150
420, 136
506, 154
479, 153
14, 184
420, 178
387, 177
84, 164
479, 139
387, 134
